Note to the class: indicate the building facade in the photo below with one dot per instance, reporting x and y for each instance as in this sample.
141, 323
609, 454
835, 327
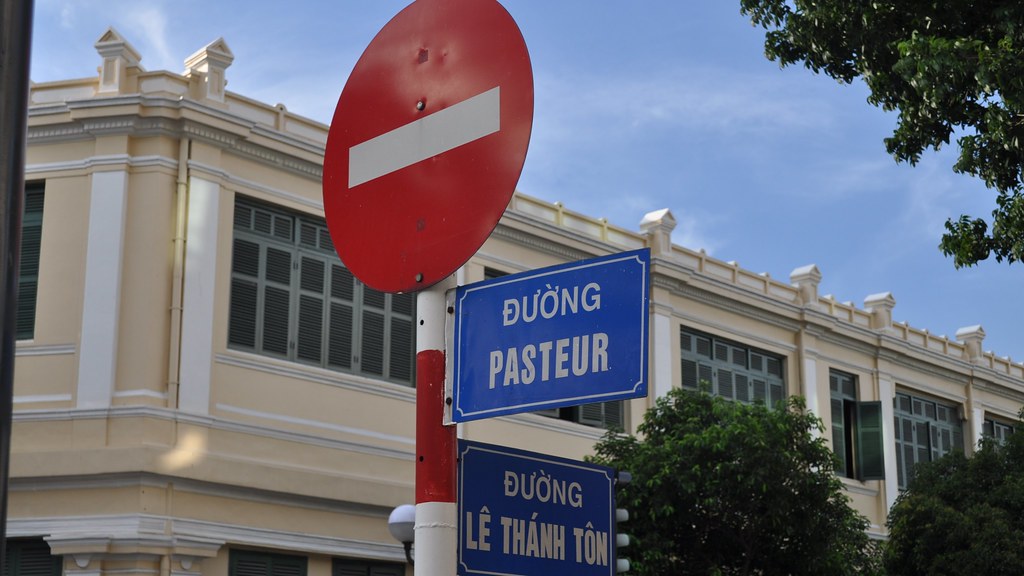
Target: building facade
202, 388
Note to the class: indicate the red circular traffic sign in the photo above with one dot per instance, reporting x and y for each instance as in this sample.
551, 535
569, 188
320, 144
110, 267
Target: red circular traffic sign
427, 142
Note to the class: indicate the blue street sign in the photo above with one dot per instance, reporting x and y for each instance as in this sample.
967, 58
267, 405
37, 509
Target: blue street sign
522, 513
560, 336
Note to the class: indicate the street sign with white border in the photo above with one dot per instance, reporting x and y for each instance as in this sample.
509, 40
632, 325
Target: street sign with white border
560, 336
523, 513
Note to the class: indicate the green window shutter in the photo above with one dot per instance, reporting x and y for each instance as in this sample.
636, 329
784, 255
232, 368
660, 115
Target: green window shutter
839, 435
870, 453
277, 306
1003, 433
28, 272
243, 310
292, 298
721, 352
401, 352
371, 353
289, 566
760, 390
725, 387
704, 347
311, 327
591, 414
997, 430
340, 336
689, 370
742, 388
492, 273
30, 557
339, 321
250, 565
705, 375
402, 337
550, 413
730, 370
843, 404
371, 345
353, 568
925, 430
602, 414
775, 393
246, 563
342, 568
310, 333
686, 342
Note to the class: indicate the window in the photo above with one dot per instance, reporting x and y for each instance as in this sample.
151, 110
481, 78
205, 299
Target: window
247, 563
997, 430
925, 431
856, 430
598, 414
731, 370
491, 273
30, 557
28, 273
352, 568
292, 298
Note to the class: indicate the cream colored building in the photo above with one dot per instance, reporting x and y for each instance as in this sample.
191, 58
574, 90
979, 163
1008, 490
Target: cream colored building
202, 388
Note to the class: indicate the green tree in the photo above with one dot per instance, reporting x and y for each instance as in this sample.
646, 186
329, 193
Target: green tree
721, 487
951, 69
962, 516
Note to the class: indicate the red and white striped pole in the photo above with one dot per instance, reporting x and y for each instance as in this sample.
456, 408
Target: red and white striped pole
435, 526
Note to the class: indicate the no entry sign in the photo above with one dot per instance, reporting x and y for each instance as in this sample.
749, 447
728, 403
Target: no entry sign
427, 142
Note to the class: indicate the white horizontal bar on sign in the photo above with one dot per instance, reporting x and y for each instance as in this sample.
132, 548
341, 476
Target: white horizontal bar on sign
427, 137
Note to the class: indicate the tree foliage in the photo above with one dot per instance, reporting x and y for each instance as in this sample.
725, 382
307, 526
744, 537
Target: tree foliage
962, 516
951, 69
721, 487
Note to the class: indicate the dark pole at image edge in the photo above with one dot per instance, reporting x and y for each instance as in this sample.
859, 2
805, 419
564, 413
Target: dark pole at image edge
15, 44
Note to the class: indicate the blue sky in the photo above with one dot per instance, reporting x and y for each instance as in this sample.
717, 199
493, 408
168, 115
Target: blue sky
638, 106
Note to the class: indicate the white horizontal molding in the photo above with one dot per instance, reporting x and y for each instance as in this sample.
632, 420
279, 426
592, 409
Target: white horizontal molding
140, 393
112, 160
317, 424
42, 398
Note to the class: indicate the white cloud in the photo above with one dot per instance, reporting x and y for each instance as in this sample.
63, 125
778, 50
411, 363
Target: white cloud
67, 16
64, 10
151, 20
831, 178
701, 100
692, 232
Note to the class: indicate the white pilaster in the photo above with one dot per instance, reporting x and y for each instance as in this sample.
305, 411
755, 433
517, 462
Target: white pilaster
198, 295
810, 387
886, 393
97, 357
661, 346
977, 426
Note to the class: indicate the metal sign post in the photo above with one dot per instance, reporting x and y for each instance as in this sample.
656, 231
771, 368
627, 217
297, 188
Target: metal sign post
435, 525
423, 154
15, 47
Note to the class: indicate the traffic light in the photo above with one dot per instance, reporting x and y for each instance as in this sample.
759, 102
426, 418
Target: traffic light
621, 515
